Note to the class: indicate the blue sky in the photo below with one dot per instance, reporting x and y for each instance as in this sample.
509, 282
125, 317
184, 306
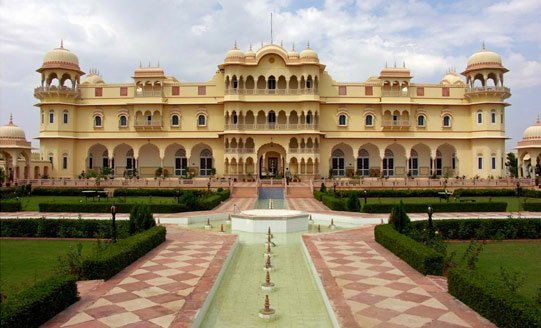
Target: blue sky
189, 38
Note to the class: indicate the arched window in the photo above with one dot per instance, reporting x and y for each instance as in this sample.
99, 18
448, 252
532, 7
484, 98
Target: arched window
130, 163
97, 121
51, 117
309, 118
421, 121
414, 164
234, 118
388, 163
493, 116
123, 121
205, 168
439, 163
64, 161
272, 118
363, 163
342, 120
271, 83
201, 120
479, 161
338, 163
369, 120
181, 162
90, 161
446, 121
235, 83
479, 117
493, 161
65, 117
175, 120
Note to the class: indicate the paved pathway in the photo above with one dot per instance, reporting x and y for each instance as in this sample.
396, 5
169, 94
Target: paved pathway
164, 288
370, 287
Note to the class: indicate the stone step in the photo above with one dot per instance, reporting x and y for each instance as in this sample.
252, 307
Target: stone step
244, 192
299, 192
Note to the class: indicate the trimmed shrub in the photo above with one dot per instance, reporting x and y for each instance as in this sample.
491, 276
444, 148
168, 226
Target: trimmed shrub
117, 256
141, 219
353, 203
12, 192
404, 193
10, 206
319, 195
439, 207
39, 303
532, 207
483, 228
103, 207
63, 228
60, 191
422, 258
399, 218
147, 192
492, 301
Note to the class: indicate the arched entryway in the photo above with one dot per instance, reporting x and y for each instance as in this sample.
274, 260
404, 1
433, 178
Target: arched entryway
271, 160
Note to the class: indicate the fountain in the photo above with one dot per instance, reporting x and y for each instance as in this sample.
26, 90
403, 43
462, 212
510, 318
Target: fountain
268, 266
332, 226
221, 227
228, 220
318, 228
310, 220
267, 285
268, 252
208, 226
270, 242
280, 220
267, 312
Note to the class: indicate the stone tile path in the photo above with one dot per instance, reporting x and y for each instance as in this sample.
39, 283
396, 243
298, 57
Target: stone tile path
370, 287
165, 288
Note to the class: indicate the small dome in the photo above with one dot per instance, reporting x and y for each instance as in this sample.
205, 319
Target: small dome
533, 132
234, 55
60, 58
293, 53
93, 78
250, 53
11, 131
309, 55
452, 78
484, 58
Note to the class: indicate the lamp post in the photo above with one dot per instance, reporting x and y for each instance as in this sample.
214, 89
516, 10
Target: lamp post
208, 186
430, 223
178, 196
113, 213
518, 193
364, 193
334, 186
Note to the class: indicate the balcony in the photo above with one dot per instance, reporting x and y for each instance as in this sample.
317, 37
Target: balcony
240, 151
41, 92
283, 92
272, 126
396, 123
147, 125
148, 93
303, 150
395, 93
503, 92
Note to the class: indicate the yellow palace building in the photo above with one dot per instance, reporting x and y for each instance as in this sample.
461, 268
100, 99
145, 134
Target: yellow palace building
270, 111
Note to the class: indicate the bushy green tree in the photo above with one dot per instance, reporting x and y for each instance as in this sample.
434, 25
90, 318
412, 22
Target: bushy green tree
141, 219
353, 203
399, 218
323, 188
512, 164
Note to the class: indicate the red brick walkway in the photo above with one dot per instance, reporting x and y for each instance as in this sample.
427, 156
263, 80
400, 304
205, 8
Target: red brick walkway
164, 288
368, 286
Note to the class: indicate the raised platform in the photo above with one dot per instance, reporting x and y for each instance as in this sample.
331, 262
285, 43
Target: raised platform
279, 220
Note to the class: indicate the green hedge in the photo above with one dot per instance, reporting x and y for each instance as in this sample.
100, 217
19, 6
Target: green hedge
61, 191
118, 256
483, 228
439, 207
374, 193
319, 195
61, 228
532, 207
485, 296
105, 207
423, 258
496, 193
165, 192
10, 206
335, 204
12, 192
39, 303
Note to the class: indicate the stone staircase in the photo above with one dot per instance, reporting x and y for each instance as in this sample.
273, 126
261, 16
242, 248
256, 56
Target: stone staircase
299, 191
244, 192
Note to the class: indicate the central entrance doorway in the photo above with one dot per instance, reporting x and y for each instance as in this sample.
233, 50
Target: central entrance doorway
271, 161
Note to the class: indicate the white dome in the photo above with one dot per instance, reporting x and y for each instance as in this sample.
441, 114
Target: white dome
533, 132
452, 78
11, 131
309, 55
60, 58
484, 58
234, 55
93, 78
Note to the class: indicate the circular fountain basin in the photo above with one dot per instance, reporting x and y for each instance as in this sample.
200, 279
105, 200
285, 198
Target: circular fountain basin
278, 220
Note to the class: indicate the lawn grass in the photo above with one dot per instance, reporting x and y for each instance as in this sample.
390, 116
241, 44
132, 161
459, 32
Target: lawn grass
512, 202
24, 262
31, 203
522, 256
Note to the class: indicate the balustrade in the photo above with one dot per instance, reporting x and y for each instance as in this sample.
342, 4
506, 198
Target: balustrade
390, 123
271, 126
237, 91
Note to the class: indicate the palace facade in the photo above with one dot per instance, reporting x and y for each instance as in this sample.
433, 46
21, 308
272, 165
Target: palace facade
269, 111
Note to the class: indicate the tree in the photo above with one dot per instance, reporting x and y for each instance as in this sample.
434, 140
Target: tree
512, 164
141, 219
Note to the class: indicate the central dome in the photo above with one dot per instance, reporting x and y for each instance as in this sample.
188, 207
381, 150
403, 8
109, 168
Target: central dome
309, 55
234, 55
485, 57
533, 132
